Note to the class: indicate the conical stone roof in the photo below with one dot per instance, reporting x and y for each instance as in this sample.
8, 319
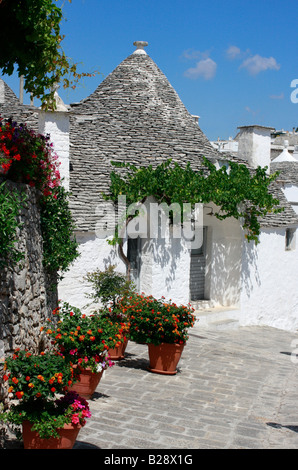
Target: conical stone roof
136, 116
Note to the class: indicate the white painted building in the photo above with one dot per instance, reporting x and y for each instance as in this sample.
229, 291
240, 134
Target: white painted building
135, 116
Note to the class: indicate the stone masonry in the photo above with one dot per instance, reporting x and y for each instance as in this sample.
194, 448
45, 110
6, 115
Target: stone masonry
27, 293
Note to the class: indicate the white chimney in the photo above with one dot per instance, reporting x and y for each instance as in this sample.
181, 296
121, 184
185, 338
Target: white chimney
254, 145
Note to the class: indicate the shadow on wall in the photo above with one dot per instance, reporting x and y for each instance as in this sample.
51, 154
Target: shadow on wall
224, 271
250, 274
166, 254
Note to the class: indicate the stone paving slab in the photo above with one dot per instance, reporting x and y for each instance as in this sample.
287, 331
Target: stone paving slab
234, 389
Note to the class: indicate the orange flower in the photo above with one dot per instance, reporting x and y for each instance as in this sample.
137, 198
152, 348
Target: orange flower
31, 385
40, 377
15, 380
19, 395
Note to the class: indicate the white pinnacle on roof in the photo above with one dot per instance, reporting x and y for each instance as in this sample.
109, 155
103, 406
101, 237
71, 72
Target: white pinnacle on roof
140, 47
285, 155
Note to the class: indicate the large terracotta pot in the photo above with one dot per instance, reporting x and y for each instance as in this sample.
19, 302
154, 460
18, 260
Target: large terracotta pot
118, 353
163, 359
87, 382
68, 435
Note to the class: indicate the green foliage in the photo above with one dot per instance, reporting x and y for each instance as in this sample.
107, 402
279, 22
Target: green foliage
237, 192
156, 321
31, 39
11, 202
109, 287
57, 226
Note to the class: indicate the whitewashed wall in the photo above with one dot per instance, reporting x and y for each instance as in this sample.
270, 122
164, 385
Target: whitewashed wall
95, 253
269, 294
56, 124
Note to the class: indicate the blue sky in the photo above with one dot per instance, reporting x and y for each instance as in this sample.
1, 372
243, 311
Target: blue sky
231, 62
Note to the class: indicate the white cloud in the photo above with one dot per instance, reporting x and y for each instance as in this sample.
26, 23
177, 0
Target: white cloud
277, 97
205, 68
257, 64
192, 54
232, 52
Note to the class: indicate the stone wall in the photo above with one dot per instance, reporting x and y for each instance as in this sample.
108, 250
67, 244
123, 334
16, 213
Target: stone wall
27, 293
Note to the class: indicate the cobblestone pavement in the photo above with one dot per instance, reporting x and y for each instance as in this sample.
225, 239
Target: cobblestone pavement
234, 389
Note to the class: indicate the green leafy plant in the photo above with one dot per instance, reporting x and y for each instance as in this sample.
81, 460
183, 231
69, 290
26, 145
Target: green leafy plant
109, 287
60, 247
39, 385
35, 47
83, 339
11, 202
156, 321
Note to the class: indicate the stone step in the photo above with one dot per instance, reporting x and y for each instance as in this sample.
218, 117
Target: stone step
218, 318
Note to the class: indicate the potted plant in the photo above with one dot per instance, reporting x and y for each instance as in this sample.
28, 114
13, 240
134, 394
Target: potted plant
84, 340
50, 416
163, 326
111, 289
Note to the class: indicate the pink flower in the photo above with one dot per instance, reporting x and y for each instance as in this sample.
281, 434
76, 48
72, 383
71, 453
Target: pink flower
75, 419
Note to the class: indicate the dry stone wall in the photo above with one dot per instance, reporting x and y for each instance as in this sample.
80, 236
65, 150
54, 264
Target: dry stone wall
28, 294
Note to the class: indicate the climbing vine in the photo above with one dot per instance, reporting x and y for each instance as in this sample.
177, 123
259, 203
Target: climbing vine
236, 190
60, 247
10, 206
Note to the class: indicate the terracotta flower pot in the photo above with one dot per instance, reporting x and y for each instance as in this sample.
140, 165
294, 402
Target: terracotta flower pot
66, 439
87, 383
118, 353
163, 359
